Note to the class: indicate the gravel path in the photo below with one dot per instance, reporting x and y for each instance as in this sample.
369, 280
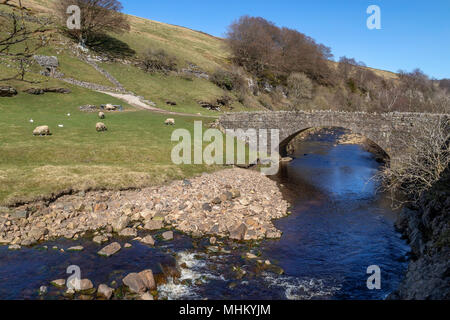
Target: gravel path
137, 102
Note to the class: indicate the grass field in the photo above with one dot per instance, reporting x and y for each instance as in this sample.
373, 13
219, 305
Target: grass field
135, 151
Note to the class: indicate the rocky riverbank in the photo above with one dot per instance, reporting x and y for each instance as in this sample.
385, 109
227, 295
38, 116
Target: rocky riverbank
427, 228
235, 203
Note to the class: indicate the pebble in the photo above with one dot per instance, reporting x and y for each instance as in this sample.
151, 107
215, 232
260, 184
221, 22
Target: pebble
43, 290
76, 248
60, 283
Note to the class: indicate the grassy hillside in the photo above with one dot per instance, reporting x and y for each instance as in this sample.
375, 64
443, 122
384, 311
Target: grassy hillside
187, 46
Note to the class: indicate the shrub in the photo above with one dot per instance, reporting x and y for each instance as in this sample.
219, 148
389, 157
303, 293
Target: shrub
424, 165
300, 87
158, 61
228, 80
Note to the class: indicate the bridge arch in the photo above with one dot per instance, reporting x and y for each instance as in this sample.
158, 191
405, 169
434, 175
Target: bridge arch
368, 144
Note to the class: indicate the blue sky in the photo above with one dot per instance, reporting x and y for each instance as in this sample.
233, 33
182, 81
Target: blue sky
414, 34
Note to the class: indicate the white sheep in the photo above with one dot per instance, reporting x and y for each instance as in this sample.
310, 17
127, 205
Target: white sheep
170, 121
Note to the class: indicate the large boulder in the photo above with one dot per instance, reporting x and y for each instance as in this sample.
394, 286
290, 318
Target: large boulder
7, 91
140, 282
135, 283
47, 61
42, 131
100, 127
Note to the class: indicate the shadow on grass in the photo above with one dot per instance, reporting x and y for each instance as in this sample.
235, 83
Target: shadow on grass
103, 43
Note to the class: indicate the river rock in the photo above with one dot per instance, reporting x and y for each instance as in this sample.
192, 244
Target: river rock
19, 214
85, 285
121, 223
128, 232
43, 290
239, 233
148, 278
153, 225
168, 235
76, 248
146, 297
251, 255
135, 283
100, 239
104, 291
110, 250
14, 247
60, 283
148, 240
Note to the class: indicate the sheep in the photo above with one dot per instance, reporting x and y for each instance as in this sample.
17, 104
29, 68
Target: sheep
170, 122
100, 127
42, 131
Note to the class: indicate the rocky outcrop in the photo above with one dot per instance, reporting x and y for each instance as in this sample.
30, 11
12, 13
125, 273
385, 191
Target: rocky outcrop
427, 228
7, 91
39, 91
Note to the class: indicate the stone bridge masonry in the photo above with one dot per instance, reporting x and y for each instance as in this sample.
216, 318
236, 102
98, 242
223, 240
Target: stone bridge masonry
387, 130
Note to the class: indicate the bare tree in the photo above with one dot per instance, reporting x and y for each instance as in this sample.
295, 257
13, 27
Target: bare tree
427, 159
21, 40
300, 87
97, 18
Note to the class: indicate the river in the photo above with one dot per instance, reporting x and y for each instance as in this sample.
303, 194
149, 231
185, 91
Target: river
339, 226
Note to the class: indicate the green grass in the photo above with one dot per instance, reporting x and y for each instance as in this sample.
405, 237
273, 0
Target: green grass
135, 152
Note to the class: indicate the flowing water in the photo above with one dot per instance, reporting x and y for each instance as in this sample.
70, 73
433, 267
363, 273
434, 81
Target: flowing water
339, 227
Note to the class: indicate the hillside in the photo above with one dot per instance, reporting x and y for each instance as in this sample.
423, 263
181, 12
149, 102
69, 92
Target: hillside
193, 51
135, 152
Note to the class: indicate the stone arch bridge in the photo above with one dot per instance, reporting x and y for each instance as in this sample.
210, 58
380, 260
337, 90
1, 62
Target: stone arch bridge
387, 130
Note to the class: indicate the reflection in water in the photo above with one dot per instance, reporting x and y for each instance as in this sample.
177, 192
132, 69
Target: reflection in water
338, 228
